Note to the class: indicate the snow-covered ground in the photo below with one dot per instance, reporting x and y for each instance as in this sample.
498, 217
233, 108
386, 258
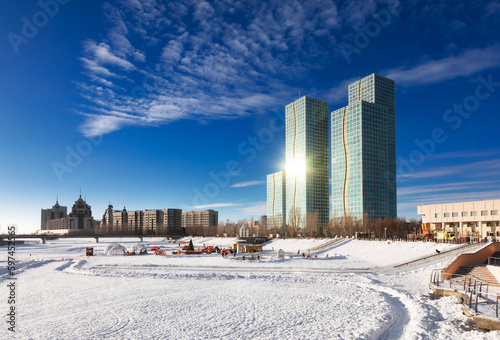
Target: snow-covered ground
62, 294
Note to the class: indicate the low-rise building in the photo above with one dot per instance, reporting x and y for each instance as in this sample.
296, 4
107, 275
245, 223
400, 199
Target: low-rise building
142, 222
135, 221
476, 219
153, 220
57, 212
206, 218
172, 221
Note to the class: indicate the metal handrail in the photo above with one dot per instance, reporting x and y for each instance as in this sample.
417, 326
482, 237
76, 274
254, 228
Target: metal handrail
474, 289
493, 261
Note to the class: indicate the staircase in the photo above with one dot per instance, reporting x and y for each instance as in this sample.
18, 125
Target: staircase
479, 272
496, 255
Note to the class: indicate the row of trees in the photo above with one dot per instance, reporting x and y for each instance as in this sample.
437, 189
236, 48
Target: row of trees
125, 229
298, 226
309, 226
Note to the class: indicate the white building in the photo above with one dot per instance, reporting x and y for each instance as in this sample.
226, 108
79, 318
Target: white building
478, 219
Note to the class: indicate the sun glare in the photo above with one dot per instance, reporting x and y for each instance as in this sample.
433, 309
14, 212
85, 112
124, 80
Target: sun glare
296, 167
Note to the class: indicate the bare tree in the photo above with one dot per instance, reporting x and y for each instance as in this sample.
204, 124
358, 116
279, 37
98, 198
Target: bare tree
311, 227
263, 226
295, 222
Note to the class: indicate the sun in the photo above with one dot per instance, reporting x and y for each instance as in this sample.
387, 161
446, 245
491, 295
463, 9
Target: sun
296, 167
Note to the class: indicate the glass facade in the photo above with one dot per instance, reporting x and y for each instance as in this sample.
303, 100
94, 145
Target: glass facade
276, 199
307, 172
364, 151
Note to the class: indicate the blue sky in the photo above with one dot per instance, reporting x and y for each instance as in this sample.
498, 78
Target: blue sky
151, 104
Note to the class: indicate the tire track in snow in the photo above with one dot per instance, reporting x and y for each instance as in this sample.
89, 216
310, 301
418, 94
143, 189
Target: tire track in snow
121, 321
400, 315
399, 318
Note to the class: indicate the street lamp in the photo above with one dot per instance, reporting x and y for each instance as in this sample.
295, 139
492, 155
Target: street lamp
385, 233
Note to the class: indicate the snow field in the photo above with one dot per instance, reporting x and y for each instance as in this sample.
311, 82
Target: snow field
63, 294
57, 302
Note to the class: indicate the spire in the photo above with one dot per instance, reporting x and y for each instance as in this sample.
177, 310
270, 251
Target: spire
80, 192
57, 198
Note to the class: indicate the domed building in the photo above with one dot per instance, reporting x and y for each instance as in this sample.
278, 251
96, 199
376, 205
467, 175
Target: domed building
81, 215
57, 218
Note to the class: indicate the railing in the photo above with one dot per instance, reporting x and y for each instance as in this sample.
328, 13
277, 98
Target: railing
475, 291
493, 261
457, 249
326, 245
473, 258
475, 297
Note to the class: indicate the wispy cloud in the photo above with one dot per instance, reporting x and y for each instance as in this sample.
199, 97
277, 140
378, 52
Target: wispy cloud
246, 184
412, 191
425, 72
162, 62
216, 205
476, 169
340, 91
455, 198
101, 54
463, 64
157, 68
464, 154
255, 209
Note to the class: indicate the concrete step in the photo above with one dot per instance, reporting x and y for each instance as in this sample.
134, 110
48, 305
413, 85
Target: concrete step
484, 274
479, 272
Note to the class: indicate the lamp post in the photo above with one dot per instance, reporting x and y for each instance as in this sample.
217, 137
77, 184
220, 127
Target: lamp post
385, 233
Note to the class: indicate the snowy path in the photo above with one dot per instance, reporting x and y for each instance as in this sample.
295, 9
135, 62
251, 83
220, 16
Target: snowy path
399, 318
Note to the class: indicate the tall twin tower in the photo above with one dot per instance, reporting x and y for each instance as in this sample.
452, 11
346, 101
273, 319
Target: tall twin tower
363, 158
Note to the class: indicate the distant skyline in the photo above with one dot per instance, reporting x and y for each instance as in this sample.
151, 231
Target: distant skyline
179, 104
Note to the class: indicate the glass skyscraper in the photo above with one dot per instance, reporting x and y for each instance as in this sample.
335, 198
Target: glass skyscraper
276, 199
307, 171
364, 151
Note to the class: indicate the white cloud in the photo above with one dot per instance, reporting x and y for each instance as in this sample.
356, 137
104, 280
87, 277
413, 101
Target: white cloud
483, 169
96, 125
339, 92
246, 184
412, 191
455, 198
216, 205
465, 154
464, 64
102, 54
255, 209
232, 60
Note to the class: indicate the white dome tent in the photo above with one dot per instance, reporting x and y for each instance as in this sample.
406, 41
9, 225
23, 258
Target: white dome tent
115, 249
139, 247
